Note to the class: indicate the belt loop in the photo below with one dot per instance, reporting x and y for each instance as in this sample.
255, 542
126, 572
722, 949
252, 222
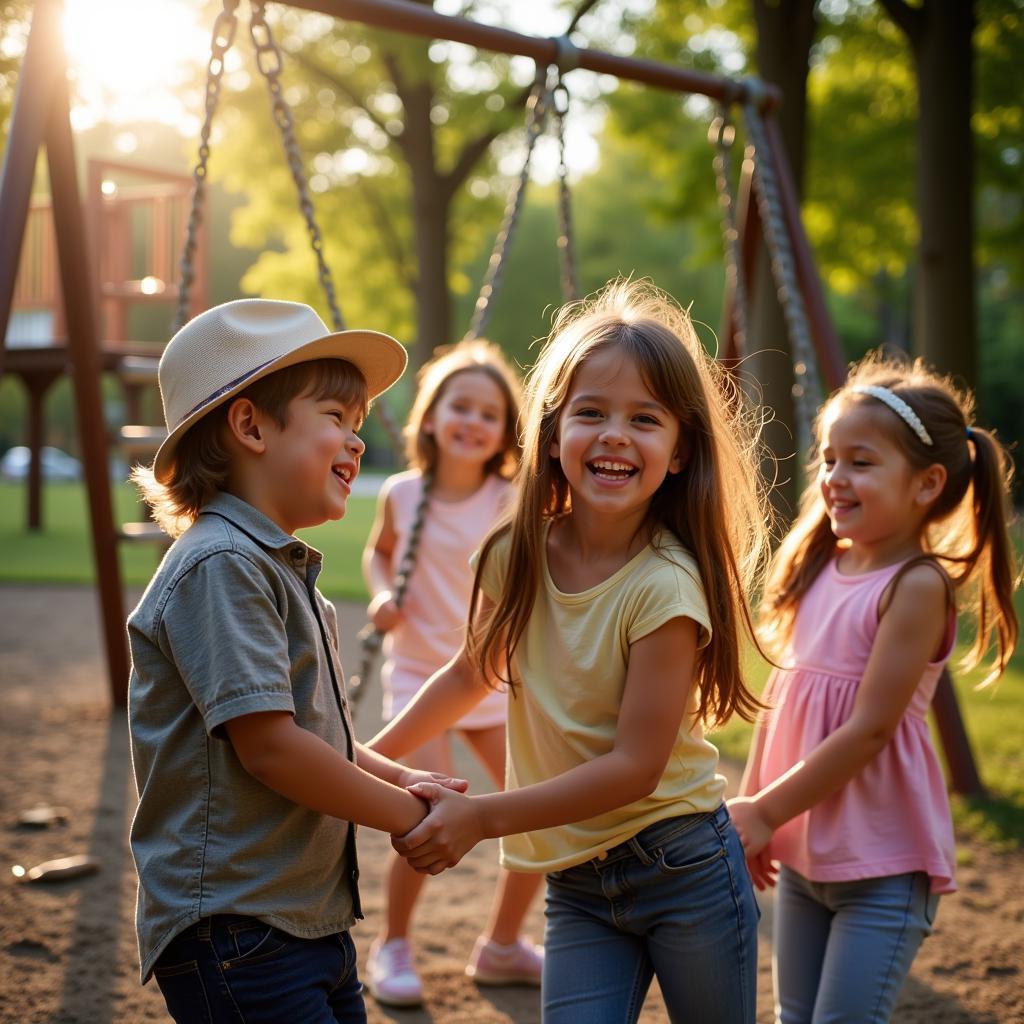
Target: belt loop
204, 927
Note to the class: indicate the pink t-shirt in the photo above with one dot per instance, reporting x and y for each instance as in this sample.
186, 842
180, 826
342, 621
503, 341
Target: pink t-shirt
893, 817
437, 600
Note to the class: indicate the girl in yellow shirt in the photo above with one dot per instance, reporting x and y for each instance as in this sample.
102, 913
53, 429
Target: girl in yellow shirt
611, 603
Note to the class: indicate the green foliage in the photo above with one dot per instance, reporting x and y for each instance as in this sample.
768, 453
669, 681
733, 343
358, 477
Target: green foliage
998, 124
14, 23
859, 194
356, 141
862, 101
615, 234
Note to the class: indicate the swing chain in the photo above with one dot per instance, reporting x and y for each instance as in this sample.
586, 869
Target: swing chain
269, 63
722, 134
537, 109
370, 638
221, 38
807, 385
566, 242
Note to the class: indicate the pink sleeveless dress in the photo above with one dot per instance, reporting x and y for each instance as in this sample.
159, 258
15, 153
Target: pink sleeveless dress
437, 602
893, 817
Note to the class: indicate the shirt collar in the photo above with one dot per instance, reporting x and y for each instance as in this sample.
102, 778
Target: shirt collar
249, 519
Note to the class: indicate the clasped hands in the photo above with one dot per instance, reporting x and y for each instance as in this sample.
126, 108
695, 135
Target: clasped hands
754, 833
450, 830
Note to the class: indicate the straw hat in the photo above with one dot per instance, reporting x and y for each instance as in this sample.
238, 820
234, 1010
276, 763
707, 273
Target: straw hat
227, 348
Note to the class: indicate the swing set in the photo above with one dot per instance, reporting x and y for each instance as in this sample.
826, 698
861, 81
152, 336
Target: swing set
762, 208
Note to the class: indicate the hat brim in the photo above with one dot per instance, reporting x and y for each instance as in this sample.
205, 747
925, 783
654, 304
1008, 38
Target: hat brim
378, 357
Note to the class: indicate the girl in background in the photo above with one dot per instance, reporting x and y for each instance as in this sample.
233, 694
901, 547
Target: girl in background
612, 603
462, 448
842, 787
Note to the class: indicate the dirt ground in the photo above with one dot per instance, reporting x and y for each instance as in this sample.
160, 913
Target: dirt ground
67, 949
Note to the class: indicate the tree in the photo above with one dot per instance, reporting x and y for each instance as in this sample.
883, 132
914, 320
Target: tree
940, 38
405, 139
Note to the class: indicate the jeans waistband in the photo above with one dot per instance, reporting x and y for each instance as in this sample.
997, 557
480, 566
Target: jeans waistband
646, 844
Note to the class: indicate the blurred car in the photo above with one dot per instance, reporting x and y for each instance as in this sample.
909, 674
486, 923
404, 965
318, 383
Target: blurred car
57, 464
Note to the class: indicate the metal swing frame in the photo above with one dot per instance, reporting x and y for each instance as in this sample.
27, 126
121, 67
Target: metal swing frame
767, 209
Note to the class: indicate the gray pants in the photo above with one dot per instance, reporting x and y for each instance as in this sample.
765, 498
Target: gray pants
842, 950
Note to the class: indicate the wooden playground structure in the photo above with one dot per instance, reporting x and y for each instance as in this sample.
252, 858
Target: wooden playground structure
135, 216
762, 210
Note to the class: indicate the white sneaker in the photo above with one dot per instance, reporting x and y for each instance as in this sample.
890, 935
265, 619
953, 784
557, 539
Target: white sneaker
521, 963
391, 977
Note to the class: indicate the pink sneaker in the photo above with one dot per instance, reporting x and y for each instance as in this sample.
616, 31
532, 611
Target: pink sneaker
519, 964
390, 975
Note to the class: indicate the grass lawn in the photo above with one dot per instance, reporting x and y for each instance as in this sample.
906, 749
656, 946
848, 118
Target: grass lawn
61, 554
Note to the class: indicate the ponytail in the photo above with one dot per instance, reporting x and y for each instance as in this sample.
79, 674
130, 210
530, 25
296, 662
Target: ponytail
988, 568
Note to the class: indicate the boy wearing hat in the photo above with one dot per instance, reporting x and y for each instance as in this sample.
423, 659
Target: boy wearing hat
250, 780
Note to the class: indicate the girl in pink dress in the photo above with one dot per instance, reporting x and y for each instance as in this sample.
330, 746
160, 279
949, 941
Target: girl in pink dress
462, 448
843, 787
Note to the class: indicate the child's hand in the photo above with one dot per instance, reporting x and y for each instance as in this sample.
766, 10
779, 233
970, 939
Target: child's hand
446, 834
383, 612
413, 776
763, 872
754, 831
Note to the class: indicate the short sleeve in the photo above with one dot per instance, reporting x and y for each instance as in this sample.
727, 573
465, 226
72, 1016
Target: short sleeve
492, 579
671, 590
225, 633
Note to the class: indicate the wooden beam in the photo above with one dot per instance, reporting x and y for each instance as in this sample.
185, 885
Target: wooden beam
37, 80
422, 20
76, 271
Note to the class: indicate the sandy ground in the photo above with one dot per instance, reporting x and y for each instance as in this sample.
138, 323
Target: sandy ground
67, 949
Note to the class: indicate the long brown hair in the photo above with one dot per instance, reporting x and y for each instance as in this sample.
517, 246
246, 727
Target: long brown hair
475, 354
965, 529
714, 506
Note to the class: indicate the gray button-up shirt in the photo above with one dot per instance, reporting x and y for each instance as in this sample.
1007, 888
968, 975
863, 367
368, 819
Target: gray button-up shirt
231, 624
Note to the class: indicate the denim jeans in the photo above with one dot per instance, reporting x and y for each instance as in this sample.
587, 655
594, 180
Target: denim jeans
842, 950
239, 969
674, 901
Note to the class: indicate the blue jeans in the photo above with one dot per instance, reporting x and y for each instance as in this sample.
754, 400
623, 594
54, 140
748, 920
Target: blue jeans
674, 901
238, 969
842, 950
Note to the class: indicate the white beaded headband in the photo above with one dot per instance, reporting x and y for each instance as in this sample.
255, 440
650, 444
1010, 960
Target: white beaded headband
898, 406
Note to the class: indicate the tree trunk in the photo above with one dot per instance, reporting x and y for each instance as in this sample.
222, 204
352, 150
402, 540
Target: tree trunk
785, 31
433, 303
945, 321
430, 208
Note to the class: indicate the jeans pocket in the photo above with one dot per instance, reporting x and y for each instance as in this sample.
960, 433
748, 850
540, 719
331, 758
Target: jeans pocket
691, 851
252, 941
183, 990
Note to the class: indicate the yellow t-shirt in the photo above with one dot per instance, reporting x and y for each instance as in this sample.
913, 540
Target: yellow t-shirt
571, 663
